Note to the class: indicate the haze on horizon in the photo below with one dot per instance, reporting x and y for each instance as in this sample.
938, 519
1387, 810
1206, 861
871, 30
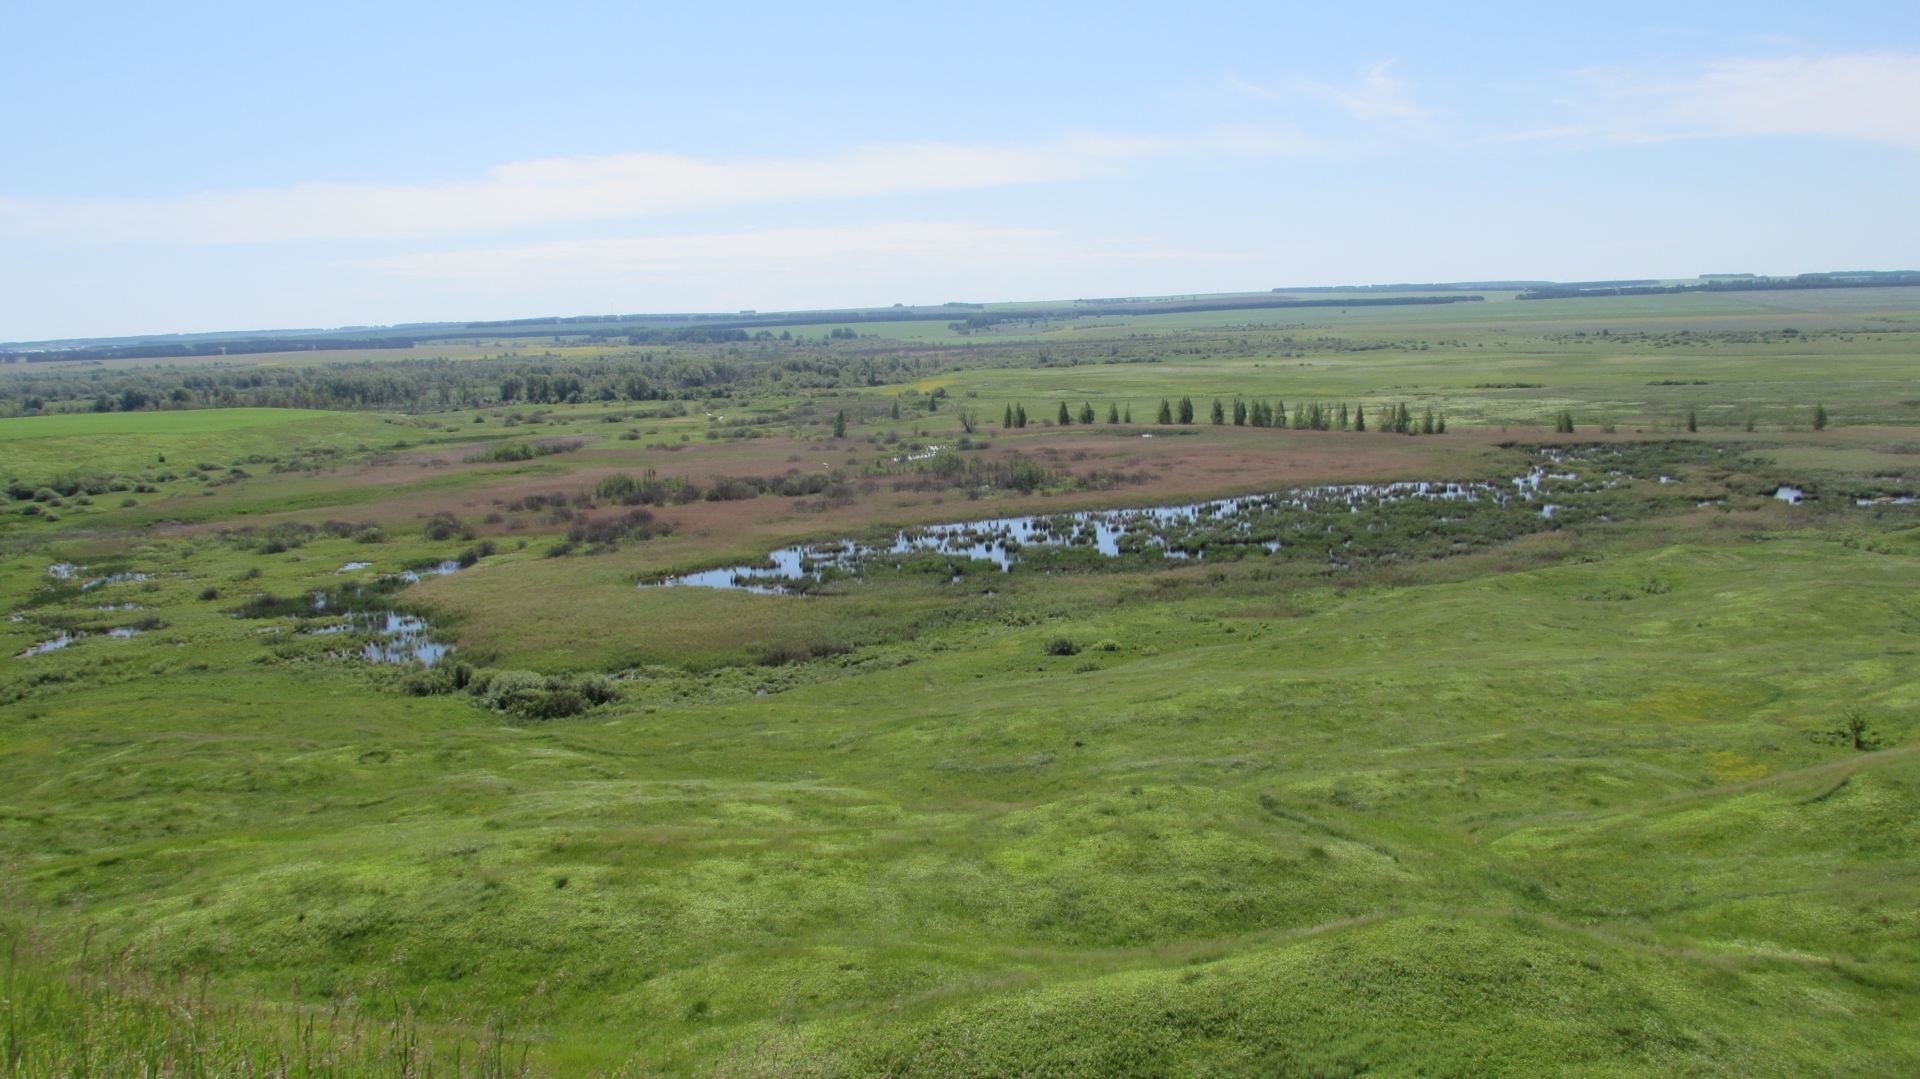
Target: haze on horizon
224, 166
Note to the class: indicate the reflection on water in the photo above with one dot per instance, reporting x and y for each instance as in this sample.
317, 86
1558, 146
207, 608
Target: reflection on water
395, 637
61, 641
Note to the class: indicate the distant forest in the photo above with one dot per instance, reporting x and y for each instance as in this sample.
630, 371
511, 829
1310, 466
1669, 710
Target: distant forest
1729, 283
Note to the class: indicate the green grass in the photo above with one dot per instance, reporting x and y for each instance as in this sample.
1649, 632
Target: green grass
38, 446
1561, 805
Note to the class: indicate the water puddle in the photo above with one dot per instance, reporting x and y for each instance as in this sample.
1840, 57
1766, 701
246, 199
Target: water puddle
351, 566
43, 647
114, 578
414, 576
393, 637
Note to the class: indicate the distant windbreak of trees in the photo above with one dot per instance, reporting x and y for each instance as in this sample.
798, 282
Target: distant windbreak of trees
1728, 283
182, 350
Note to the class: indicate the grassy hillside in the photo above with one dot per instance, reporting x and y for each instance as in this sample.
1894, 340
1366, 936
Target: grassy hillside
1626, 790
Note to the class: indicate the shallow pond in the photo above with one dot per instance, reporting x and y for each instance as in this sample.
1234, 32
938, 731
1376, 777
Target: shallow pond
1177, 532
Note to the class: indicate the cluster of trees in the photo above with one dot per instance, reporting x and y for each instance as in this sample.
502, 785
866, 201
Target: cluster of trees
435, 384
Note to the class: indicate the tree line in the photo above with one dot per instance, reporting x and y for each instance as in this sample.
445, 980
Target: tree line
1311, 416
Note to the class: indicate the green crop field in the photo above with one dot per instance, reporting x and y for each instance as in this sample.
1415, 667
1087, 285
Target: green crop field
1602, 764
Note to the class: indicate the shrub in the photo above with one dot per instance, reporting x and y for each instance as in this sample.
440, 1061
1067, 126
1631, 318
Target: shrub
1062, 646
444, 526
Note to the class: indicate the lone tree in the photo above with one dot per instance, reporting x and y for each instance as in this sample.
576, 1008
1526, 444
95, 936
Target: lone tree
840, 424
1820, 417
1855, 730
1693, 420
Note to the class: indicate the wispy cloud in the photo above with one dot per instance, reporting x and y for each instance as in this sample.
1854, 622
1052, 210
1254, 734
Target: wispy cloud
602, 188
848, 250
1857, 97
1376, 94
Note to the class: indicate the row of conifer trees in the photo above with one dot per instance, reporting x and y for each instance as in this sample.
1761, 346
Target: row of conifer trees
1312, 416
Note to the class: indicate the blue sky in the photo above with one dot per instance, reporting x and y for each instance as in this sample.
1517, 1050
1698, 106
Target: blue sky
198, 166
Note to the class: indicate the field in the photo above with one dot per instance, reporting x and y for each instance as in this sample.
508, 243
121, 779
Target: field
1617, 777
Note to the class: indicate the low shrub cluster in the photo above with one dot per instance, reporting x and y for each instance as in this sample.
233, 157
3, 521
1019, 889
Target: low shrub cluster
651, 490
528, 696
289, 535
526, 451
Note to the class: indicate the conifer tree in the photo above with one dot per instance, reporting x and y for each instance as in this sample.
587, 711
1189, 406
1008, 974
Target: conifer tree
1359, 417
1219, 414
1186, 409
1086, 412
1128, 418
1113, 413
1065, 418
1166, 412
1239, 412
1343, 421
1020, 415
1005, 422
1820, 417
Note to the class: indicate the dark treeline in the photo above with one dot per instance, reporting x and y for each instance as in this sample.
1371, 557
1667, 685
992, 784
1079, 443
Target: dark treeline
1860, 279
167, 350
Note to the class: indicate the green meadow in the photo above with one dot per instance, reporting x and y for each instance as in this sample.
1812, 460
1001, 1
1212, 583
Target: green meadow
1627, 787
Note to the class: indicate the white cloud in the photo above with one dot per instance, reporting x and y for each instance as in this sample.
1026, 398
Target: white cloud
611, 187
1857, 97
850, 250
1378, 95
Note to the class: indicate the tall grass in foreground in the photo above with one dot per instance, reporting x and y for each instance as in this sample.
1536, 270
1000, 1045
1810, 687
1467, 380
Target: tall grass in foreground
100, 1019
